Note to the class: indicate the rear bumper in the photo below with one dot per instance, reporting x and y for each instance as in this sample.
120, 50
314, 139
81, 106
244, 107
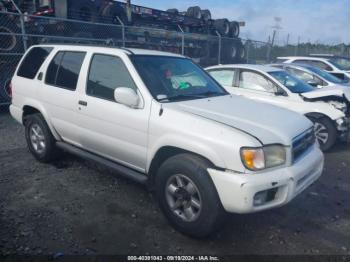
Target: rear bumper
16, 113
237, 191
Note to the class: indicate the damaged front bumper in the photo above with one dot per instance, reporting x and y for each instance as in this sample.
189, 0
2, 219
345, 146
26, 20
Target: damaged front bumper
343, 126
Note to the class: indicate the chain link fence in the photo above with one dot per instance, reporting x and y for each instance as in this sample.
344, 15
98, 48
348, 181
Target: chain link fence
19, 31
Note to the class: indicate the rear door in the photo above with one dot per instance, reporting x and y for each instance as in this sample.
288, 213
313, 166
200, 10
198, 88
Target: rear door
255, 85
58, 92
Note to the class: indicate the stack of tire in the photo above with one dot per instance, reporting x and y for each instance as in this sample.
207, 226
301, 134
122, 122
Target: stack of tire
232, 50
11, 48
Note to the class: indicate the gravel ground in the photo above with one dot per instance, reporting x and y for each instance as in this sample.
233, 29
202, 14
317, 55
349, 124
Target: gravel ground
76, 207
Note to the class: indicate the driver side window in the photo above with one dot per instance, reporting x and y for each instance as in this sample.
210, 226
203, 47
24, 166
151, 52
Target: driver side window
254, 81
105, 75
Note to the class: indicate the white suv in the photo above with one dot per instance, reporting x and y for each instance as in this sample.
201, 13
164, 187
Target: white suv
161, 120
328, 108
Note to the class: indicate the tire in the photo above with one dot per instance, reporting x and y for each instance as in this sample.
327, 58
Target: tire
206, 15
194, 12
233, 52
234, 29
325, 127
10, 42
35, 127
222, 26
207, 212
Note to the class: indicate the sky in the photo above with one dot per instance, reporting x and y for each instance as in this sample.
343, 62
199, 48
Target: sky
318, 21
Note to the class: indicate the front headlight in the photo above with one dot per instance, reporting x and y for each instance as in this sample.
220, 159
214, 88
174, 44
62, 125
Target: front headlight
263, 157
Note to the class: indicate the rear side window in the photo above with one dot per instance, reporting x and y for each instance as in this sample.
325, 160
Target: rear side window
33, 61
64, 69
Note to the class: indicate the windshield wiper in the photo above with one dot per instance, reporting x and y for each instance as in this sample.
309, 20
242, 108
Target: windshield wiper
212, 93
180, 97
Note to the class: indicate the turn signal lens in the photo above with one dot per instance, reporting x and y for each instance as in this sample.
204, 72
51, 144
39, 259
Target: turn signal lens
263, 157
253, 159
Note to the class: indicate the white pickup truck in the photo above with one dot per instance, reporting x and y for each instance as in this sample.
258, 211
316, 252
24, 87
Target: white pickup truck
159, 119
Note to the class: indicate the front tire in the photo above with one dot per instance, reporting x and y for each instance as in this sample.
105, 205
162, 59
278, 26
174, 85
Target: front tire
325, 132
188, 197
40, 141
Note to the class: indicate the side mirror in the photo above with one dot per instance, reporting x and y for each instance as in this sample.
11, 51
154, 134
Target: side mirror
312, 83
126, 96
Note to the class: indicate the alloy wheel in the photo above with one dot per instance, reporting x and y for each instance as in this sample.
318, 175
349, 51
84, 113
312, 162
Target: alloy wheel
37, 139
183, 197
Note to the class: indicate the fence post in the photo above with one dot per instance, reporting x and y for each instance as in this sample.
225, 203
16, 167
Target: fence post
123, 31
23, 30
219, 51
182, 40
247, 49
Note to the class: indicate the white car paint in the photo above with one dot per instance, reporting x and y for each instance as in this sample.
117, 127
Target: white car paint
331, 68
293, 101
215, 128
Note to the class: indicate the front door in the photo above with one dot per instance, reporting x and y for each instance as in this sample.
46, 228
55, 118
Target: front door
108, 128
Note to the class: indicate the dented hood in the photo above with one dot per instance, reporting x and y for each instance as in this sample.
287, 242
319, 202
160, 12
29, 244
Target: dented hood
338, 91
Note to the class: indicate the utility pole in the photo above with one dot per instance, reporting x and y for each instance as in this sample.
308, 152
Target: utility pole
275, 28
288, 39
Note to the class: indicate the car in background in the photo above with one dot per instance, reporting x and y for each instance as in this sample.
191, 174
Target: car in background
335, 65
313, 75
329, 110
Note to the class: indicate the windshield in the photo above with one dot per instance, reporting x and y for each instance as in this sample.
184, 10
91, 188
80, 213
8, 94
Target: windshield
292, 83
325, 75
341, 63
174, 79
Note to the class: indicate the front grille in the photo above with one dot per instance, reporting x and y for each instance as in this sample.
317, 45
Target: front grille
303, 143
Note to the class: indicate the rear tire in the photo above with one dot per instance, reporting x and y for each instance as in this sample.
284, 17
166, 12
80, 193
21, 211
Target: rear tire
40, 140
325, 131
192, 206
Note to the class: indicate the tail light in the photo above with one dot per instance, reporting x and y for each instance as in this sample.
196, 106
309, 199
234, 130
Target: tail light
8, 89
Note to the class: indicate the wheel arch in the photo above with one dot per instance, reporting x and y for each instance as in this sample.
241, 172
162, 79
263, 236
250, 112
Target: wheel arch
165, 153
317, 115
30, 109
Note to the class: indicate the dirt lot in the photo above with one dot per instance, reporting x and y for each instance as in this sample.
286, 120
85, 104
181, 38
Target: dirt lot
76, 207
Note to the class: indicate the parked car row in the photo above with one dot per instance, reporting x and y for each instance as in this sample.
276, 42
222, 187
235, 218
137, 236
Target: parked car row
161, 120
327, 107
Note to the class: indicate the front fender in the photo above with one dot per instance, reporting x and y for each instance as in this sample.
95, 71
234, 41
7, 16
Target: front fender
186, 144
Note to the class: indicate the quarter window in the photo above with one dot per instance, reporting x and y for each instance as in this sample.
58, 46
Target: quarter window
64, 70
33, 61
106, 74
224, 77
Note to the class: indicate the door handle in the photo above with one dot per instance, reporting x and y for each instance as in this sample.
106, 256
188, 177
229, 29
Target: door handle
82, 103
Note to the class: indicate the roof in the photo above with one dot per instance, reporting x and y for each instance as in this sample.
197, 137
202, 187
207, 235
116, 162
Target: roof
261, 68
304, 57
303, 67
127, 51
